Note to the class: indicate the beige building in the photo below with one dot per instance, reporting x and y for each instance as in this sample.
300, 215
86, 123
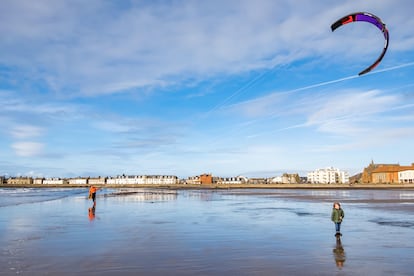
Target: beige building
20, 181
38, 181
286, 178
97, 181
256, 180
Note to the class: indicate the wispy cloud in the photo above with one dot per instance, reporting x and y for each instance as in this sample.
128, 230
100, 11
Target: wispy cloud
103, 47
26, 131
333, 113
28, 149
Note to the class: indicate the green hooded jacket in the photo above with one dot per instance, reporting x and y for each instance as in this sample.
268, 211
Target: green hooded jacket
337, 215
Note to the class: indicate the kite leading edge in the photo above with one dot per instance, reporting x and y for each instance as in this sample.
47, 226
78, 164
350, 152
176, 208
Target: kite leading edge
370, 18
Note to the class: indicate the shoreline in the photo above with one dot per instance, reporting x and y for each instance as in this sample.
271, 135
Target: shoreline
228, 186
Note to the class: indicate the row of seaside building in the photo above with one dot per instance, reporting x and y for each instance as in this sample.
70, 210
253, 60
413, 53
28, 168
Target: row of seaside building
150, 180
388, 173
373, 173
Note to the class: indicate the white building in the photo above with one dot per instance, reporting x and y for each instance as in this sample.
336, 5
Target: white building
142, 180
232, 180
328, 176
54, 181
193, 180
406, 176
162, 179
276, 179
286, 178
78, 181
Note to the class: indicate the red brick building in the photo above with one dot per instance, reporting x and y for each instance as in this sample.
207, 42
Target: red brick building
206, 179
383, 173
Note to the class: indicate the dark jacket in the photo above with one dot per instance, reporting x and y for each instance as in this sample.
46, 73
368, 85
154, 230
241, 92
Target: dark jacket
337, 215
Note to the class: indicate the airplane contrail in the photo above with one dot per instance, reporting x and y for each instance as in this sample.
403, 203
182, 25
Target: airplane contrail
392, 68
250, 84
251, 122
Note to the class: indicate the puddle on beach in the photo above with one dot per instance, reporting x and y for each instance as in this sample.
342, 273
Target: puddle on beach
207, 232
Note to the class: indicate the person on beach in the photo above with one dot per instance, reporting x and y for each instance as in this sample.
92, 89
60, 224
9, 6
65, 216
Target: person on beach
92, 194
337, 217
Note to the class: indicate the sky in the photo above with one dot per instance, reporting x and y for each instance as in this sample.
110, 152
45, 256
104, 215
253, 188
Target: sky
252, 88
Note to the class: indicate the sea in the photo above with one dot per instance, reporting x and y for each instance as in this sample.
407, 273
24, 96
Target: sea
137, 231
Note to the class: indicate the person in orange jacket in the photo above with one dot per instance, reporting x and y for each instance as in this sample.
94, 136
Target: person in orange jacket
92, 194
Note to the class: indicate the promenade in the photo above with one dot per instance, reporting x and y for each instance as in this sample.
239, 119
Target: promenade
229, 186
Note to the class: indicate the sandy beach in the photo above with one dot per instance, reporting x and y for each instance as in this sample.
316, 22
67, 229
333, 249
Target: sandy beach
205, 232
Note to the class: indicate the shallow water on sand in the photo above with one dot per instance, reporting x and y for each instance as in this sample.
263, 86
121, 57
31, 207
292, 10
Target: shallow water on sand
206, 232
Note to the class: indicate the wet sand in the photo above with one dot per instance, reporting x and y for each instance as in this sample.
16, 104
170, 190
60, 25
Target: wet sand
210, 232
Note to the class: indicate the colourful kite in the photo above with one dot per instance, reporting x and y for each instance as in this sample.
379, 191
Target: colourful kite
370, 18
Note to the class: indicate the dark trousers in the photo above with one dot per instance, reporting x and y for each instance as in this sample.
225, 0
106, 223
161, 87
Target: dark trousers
338, 226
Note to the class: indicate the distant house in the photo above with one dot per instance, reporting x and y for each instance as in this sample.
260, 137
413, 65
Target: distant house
193, 180
276, 179
38, 181
161, 180
126, 180
232, 180
78, 181
54, 181
328, 175
286, 178
255, 180
386, 173
406, 176
20, 181
290, 178
97, 181
142, 180
206, 179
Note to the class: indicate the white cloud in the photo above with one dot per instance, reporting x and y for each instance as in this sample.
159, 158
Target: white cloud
26, 131
99, 47
28, 149
344, 113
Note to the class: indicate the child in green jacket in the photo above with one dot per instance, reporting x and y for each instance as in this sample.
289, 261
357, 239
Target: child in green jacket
337, 217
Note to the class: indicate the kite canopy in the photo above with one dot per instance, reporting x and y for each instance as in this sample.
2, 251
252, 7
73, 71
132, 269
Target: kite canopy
370, 18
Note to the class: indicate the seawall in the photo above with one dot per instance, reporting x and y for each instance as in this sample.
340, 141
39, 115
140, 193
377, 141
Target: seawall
228, 186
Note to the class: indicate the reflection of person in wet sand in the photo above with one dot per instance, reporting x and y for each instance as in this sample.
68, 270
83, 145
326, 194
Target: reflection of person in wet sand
339, 253
91, 213
92, 194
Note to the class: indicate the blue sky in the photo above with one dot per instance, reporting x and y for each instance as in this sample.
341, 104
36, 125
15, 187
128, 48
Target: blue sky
254, 88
